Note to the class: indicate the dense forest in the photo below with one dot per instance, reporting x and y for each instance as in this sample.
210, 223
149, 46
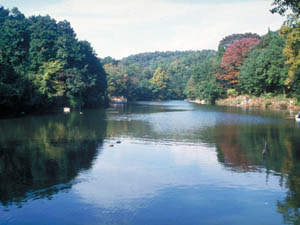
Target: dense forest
44, 65
244, 64
157, 75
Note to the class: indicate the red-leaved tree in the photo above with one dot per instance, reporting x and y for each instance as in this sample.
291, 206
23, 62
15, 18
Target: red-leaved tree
232, 59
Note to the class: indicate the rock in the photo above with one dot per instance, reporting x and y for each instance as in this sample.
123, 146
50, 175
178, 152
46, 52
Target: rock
118, 142
111, 145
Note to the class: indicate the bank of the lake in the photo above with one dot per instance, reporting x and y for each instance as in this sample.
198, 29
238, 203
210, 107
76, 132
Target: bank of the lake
263, 102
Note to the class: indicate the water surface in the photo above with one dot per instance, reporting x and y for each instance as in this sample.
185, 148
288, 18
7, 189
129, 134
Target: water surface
177, 163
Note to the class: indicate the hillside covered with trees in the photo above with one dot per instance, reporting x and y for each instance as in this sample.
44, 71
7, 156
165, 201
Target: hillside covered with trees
254, 65
157, 75
244, 64
44, 65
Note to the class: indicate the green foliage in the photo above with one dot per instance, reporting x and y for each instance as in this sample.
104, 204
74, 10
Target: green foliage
44, 65
202, 83
176, 69
291, 32
160, 81
191, 88
264, 71
232, 92
47, 82
267, 103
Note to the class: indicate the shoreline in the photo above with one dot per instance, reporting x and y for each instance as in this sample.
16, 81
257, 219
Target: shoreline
271, 103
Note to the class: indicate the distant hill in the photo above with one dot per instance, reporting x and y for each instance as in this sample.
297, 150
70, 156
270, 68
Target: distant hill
135, 73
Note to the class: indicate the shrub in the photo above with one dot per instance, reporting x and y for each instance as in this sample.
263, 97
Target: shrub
268, 103
232, 92
283, 106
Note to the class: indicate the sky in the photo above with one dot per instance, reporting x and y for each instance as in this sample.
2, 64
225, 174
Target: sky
119, 28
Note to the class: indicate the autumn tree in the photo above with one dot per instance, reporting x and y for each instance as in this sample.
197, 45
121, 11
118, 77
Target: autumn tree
291, 32
230, 39
232, 60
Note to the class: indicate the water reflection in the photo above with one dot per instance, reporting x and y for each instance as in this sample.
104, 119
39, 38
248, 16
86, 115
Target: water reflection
240, 145
289, 207
41, 155
189, 160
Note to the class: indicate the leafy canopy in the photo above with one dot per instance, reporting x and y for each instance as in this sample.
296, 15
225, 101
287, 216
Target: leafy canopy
233, 59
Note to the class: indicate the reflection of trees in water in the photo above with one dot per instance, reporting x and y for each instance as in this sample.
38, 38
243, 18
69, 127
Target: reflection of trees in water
132, 121
230, 150
289, 207
132, 128
41, 155
240, 148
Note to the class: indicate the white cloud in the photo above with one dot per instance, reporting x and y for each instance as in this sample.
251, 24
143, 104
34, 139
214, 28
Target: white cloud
119, 28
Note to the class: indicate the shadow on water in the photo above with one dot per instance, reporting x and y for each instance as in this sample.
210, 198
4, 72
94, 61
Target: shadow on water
41, 155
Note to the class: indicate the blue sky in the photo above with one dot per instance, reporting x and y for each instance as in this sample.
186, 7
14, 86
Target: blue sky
119, 28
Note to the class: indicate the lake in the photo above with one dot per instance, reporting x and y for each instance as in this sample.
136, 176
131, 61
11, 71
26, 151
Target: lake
178, 163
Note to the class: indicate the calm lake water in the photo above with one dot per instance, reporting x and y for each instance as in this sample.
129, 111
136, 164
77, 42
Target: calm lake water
178, 163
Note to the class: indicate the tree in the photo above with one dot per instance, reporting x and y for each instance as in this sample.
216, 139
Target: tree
42, 64
47, 81
232, 59
140, 68
43, 35
281, 6
230, 39
160, 82
118, 84
92, 70
191, 88
13, 49
291, 32
264, 70
202, 84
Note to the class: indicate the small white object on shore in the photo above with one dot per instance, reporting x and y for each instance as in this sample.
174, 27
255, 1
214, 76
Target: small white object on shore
66, 109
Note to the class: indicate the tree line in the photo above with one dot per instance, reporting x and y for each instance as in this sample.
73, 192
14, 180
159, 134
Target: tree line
44, 65
254, 65
156, 75
243, 64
